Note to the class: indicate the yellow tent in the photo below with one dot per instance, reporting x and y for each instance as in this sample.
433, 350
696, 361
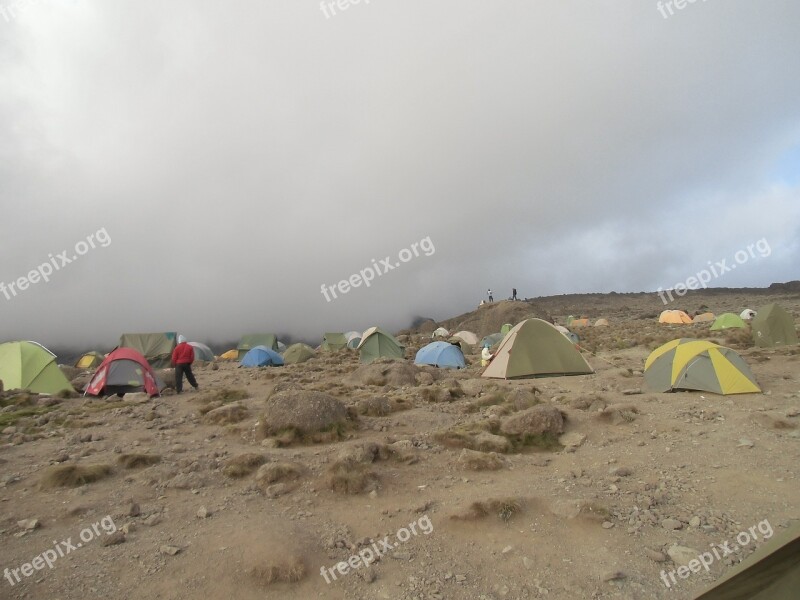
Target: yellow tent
690, 364
230, 355
674, 317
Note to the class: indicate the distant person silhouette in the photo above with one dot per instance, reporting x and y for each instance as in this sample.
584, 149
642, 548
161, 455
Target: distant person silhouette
489, 293
514, 294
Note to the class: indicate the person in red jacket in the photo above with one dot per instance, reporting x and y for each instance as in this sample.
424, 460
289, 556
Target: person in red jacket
182, 359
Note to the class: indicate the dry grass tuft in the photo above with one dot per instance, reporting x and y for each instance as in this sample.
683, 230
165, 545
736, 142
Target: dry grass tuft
290, 570
243, 465
481, 461
349, 477
503, 508
282, 471
135, 461
74, 475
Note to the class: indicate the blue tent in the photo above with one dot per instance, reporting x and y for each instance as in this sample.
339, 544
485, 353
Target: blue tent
441, 354
261, 356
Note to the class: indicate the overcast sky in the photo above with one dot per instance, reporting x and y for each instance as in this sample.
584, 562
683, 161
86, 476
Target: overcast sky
239, 155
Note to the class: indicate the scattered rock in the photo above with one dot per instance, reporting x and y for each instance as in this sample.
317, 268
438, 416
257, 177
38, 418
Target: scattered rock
671, 524
29, 524
203, 513
170, 550
681, 555
655, 555
573, 439
613, 576
118, 537
539, 420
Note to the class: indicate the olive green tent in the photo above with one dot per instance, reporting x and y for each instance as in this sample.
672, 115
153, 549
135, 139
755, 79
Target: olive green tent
506, 328
248, 342
298, 353
535, 348
155, 347
334, 341
376, 344
773, 326
31, 366
772, 572
728, 321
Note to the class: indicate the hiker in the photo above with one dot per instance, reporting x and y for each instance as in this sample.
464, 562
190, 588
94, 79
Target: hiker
489, 293
514, 293
182, 359
486, 356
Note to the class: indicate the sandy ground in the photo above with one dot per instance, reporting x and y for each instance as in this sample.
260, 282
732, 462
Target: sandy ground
640, 474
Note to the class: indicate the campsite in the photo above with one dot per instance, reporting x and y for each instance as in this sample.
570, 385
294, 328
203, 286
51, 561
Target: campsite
596, 468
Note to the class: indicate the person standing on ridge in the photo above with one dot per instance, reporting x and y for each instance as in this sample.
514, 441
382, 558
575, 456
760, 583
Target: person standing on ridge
514, 293
182, 359
489, 293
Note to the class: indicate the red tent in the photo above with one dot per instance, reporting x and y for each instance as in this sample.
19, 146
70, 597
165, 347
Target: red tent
124, 371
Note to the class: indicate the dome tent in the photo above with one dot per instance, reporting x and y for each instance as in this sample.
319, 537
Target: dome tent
535, 348
30, 366
440, 354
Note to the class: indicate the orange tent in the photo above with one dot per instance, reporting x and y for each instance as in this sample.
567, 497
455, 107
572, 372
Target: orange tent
674, 317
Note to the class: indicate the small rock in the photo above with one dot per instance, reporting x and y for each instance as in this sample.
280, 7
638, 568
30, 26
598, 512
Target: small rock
631, 392
681, 555
373, 494
620, 471
695, 521
613, 576
401, 555
526, 562
671, 524
10, 430
118, 537
29, 524
461, 578
745, 443
607, 524
573, 439
152, 520
133, 510
171, 550
203, 513
507, 549
655, 555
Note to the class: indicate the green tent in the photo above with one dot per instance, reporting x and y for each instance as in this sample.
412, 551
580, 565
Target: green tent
334, 341
376, 344
298, 353
773, 326
772, 572
30, 366
155, 347
506, 328
535, 348
492, 339
728, 321
248, 342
